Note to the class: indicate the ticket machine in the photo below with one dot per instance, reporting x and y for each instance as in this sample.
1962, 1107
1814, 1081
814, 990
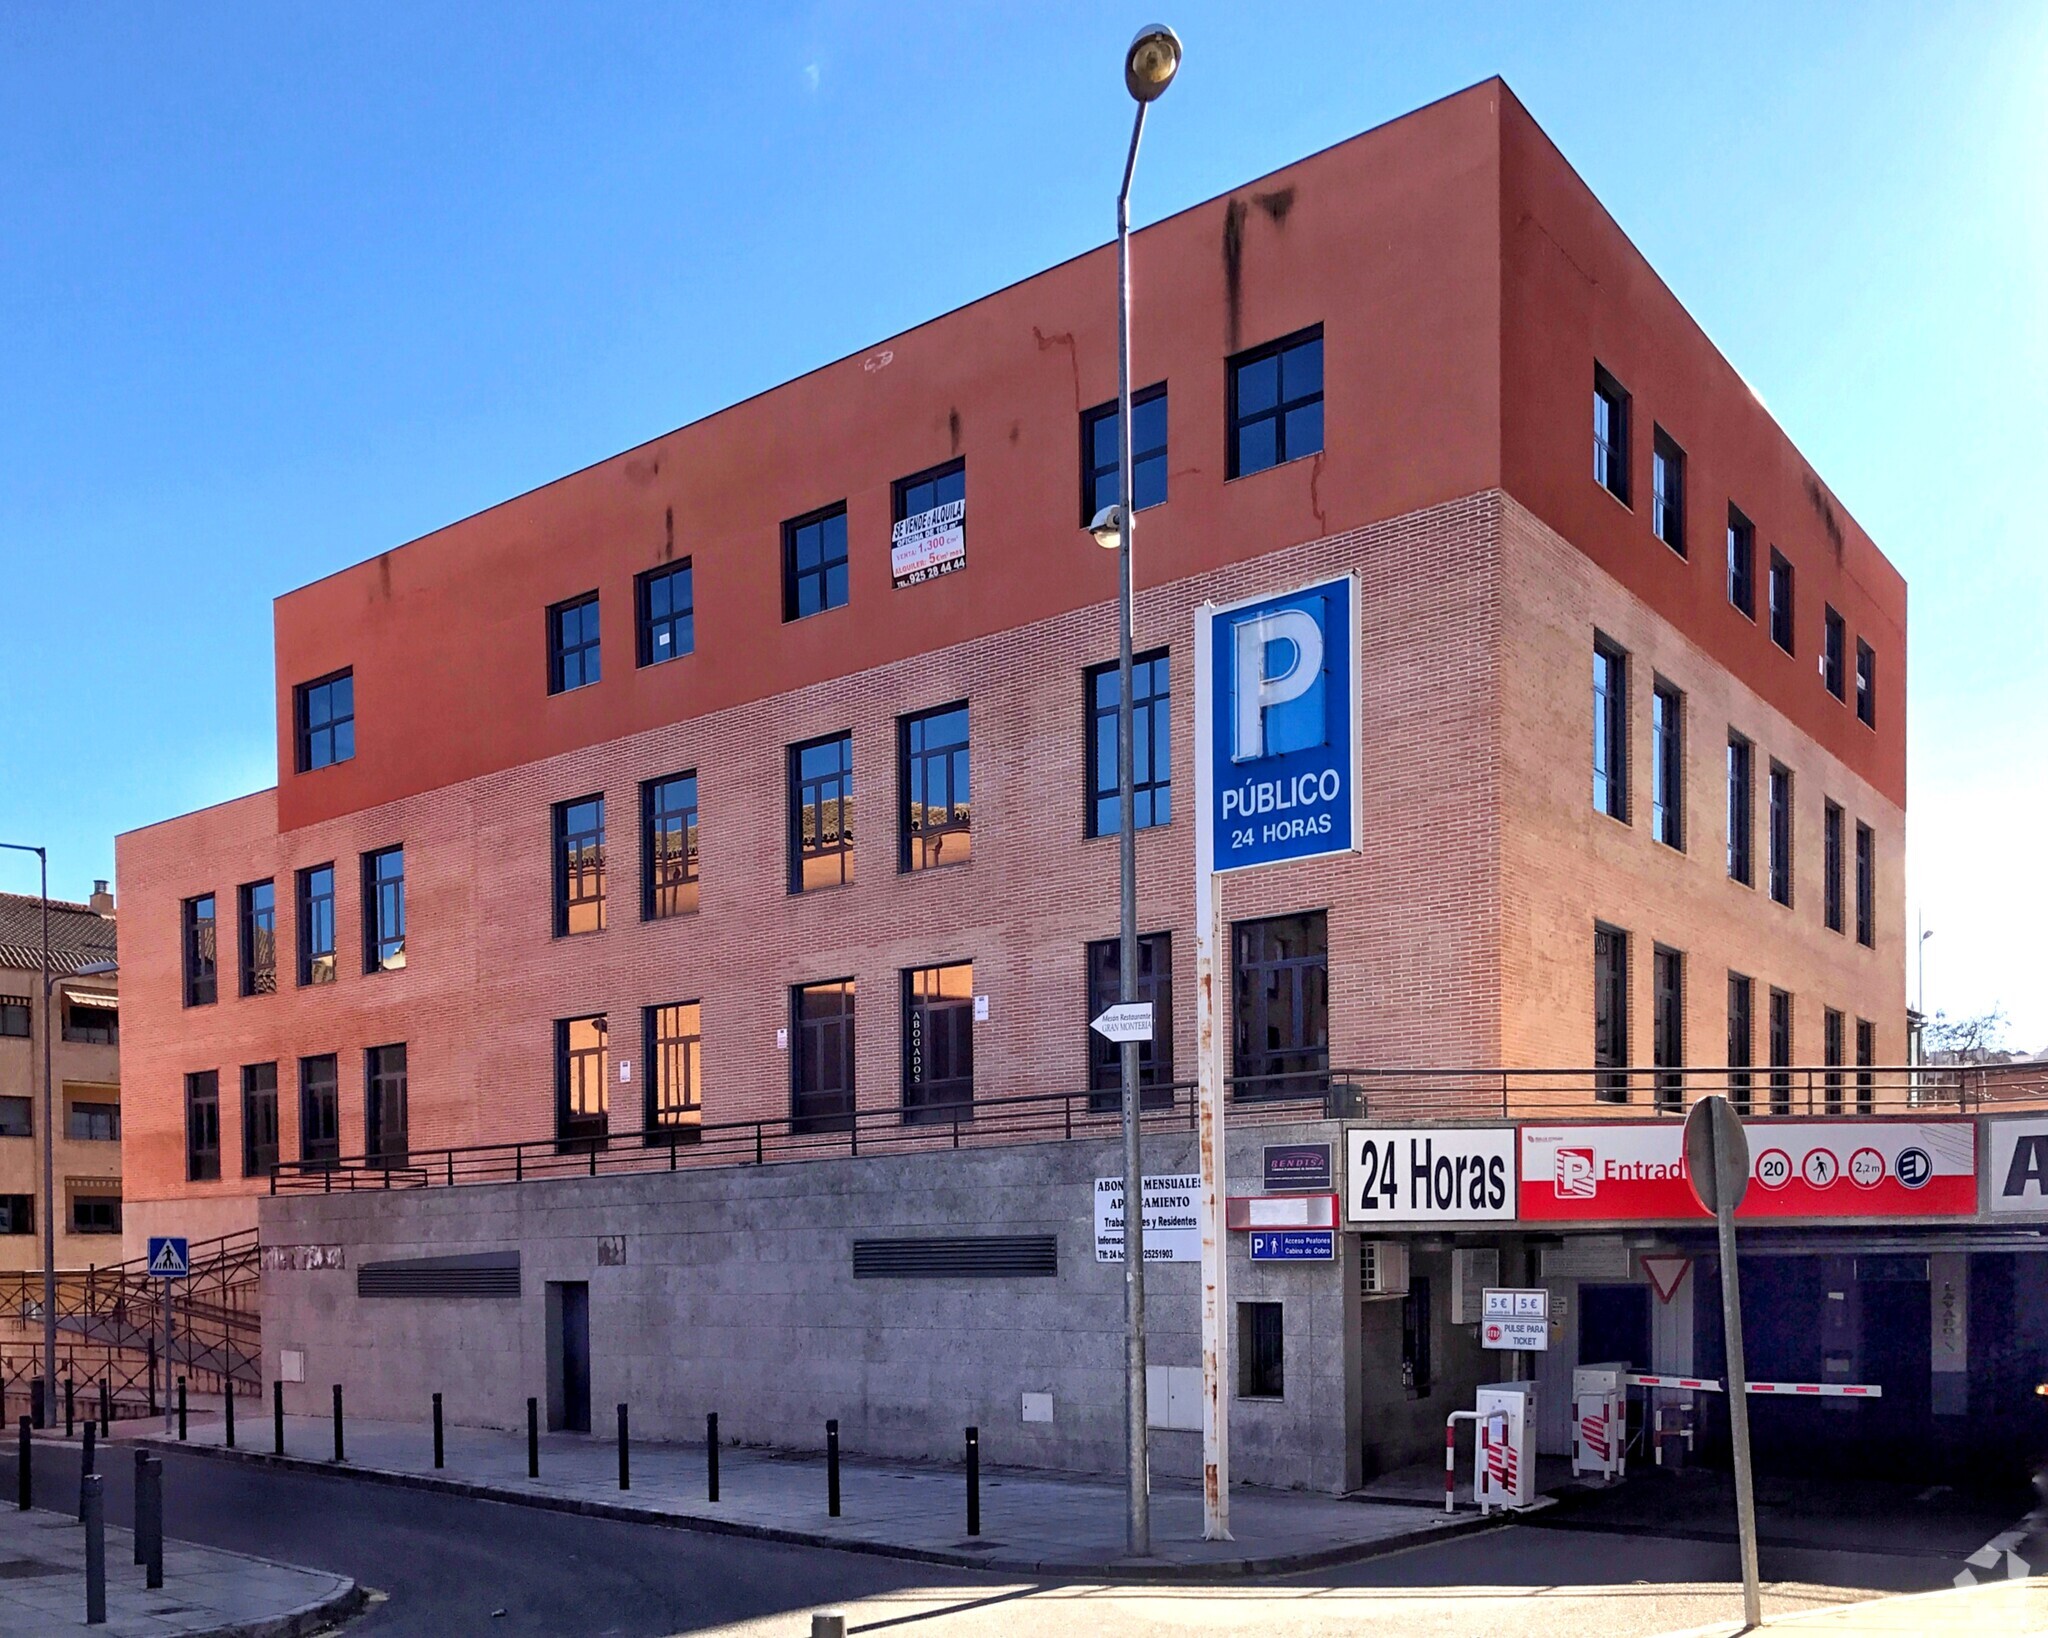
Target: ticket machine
1504, 1453
1600, 1419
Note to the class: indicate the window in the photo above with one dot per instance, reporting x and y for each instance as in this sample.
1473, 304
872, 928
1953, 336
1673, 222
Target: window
1831, 866
201, 981
665, 613
259, 1119
1281, 1046
821, 813
95, 1213
89, 1024
938, 1043
1834, 638
384, 910
668, 846
14, 1016
582, 1083
938, 499
16, 1117
1866, 885
1151, 745
579, 866
93, 1122
1780, 802
1667, 765
1741, 809
1781, 1053
386, 1142
1667, 1035
675, 1073
1866, 684
814, 563
1741, 1040
1610, 730
821, 1057
1610, 1014
1148, 454
316, 925
1667, 491
1610, 435
931, 772
256, 904
1831, 1033
1741, 563
1261, 1354
1153, 983
1781, 600
320, 1110
324, 717
17, 1214
202, 1126
1276, 403
573, 654
1866, 1056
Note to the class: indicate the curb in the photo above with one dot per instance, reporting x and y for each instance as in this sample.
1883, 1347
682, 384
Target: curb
303, 1622
625, 1513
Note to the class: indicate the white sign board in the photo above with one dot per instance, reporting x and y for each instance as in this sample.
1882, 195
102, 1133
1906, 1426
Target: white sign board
1173, 1223
930, 544
2019, 1165
1523, 1335
1500, 1303
1126, 1021
1430, 1174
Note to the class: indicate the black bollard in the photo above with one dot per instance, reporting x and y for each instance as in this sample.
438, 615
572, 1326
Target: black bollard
227, 1409
625, 1461
150, 1508
181, 1410
532, 1438
440, 1450
92, 1511
38, 1409
711, 1455
338, 1456
277, 1416
832, 1467
70, 1421
139, 1532
106, 1408
88, 1468
153, 1406
25, 1474
974, 1481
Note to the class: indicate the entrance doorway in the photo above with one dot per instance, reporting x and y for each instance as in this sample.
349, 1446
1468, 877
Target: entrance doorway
1614, 1323
569, 1355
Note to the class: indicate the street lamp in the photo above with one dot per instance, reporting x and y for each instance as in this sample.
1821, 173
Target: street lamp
1149, 67
49, 1151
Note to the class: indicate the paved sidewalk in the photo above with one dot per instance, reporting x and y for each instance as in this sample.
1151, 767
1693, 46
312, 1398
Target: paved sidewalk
2009, 1609
1029, 1521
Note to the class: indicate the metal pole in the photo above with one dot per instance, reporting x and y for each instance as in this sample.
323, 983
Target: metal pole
141, 1531
181, 1410
49, 1141
532, 1437
440, 1449
92, 1513
1210, 1088
227, 1407
88, 1465
153, 1510
277, 1415
711, 1456
974, 1481
170, 1411
832, 1467
1725, 1167
625, 1471
340, 1453
25, 1473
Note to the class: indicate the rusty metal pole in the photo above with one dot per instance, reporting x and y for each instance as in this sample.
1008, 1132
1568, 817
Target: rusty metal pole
1209, 1098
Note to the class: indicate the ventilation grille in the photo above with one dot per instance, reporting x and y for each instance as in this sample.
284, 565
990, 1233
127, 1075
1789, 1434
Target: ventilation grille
982, 1257
480, 1274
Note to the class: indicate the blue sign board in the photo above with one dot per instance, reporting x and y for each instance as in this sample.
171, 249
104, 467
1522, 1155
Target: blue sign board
170, 1257
1294, 1245
1278, 736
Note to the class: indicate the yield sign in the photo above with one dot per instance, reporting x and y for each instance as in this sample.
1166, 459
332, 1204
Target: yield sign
1665, 1274
1126, 1021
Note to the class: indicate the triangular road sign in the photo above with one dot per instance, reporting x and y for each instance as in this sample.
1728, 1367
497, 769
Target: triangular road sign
1665, 1274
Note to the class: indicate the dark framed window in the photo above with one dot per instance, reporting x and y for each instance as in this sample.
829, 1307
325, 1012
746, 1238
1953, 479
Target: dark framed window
1866, 885
674, 1037
668, 846
1831, 1049
1781, 601
1866, 1056
93, 1121
1261, 1352
1667, 490
17, 1214
387, 1142
1834, 660
814, 572
582, 1083
1831, 866
1151, 744
384, 910
202, 1126
1741, 563
95, 1213
1667, 1033
1276, 402
91, 1025
256, 904
316, 925
259, 1119
320, 1109
202, 981
665, 613
574, 653
1099, 454
821, 1056
17, 1117
14, 1016
324, 720
579, 866
1610, 730
1281, 983
938, 1043
1866, 684
1741, 1039
1153, 983
1780, 804
926, 491
1781, 1052
1610, 1013
935, 821
1610, 435
1667, 765
821, 813
1741, 809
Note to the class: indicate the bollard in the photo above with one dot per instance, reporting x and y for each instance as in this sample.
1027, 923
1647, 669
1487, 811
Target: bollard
711, 1455
828, 1624
832, 1467
106, 1408
92, 1511
227, 1409
88, 1467
25, 1474
150, 1509
337, 1423
974, 1481
38, 1409
141, 1464
532, 1438
70, 1422
181, 1410
440, 1450
277, 1415
152, 1377
625, 1468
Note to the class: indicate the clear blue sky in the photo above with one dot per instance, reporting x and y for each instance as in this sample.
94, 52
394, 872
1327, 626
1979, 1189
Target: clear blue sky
282, 286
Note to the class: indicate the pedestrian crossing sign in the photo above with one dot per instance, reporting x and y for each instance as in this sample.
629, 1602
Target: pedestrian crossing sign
170, 1257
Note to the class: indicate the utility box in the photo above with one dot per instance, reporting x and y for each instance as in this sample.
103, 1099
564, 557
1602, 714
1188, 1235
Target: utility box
1600, 1419
1504, 1453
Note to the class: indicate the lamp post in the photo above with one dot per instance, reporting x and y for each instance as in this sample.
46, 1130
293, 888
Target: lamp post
1149, 67
49, 1150
1926, 933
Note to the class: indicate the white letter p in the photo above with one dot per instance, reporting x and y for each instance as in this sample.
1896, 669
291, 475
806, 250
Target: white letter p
1256, 690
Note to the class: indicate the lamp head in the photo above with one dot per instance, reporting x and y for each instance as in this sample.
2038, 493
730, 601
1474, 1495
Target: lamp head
1152, 61
1108, 527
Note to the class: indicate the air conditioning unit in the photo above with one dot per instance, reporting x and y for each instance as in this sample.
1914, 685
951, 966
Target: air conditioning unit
1383, 1268
1472, 1271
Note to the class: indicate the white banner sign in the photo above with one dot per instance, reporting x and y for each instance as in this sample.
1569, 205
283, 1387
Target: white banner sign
1173, 1223
1439, 1174
1529, 1336
2019, 1165
929, 544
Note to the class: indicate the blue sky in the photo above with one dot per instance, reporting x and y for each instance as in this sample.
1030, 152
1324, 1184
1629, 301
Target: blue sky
281, 286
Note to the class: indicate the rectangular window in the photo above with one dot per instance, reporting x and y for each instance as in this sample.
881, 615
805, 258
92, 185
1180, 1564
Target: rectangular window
324, 720
573, 650
1866, 885
668, 846
1741, 563
201, 977
1831, 866
1281, 979
1261, 1370
821, 813
320, 1110
1781, 1053
1151, 745
665, 613
1610, 1014
1834, 641
938, 1043
1276, 403
202, 1126
1741, 1040
1667, 1043
316, 925
1667, 485
814, 573
1099, 454
582, 1083
1866, 1056
259, 1119
93, 1121
384, 910
16, 1117
1741, 809
17, 1214
95, 1212
1667, 765
91, 1025
1781, 600
821, 1057
938, 497
675, 1072
1610, 730
1831, 1045
579, 866
385, 1115
1610, 435
1866, 684
931, 773
14, 1016
257, 907
1780, 801
1153, 982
